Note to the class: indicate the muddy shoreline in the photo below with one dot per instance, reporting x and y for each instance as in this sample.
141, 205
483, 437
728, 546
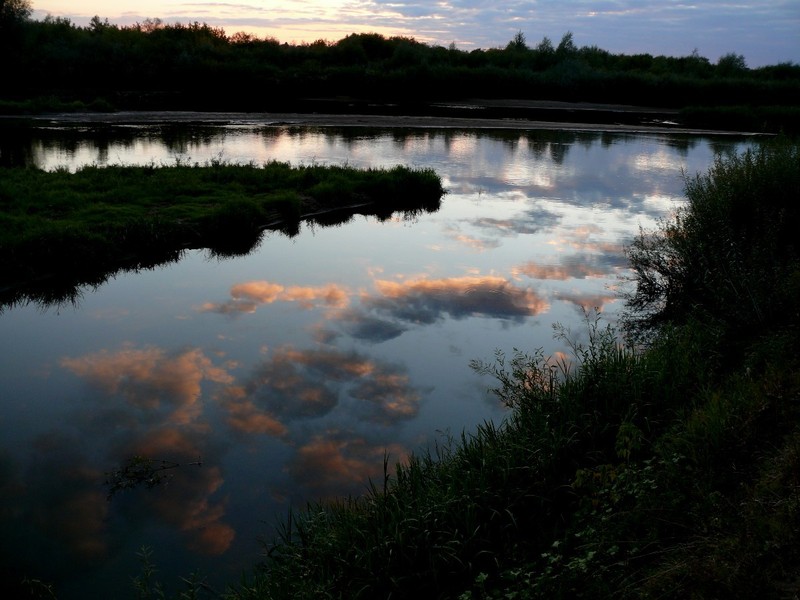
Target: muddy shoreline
472, 114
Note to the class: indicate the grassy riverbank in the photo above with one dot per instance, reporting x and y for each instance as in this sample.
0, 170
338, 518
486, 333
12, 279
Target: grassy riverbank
668, 469
86, 224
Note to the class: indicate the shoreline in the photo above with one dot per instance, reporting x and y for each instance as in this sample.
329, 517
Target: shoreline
472, 114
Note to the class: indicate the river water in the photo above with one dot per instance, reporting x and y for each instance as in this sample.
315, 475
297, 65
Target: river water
289, 373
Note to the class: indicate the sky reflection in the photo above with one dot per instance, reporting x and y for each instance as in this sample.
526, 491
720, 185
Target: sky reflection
289, 373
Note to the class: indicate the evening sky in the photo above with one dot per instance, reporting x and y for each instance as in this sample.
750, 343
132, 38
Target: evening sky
765, 32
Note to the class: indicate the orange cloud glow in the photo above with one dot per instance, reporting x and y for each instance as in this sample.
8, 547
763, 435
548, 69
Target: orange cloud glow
149, 378
58, 504
248, 296
335, 364
82, 522
79, 516
186, 503
245, 417
589, 302
559, 272
331, 295
391, 396
337, 465
262, 292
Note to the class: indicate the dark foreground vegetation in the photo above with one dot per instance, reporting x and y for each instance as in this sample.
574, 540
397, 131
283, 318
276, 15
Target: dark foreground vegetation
60, 230
665, 469
55, 65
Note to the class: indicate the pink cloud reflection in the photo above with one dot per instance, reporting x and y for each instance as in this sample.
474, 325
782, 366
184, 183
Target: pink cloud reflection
248, 296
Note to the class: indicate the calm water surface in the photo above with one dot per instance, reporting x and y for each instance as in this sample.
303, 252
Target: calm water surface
290, 372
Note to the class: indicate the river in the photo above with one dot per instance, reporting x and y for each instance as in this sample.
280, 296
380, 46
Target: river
285, 376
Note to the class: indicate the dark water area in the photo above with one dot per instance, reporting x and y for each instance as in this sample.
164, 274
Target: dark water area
289, 372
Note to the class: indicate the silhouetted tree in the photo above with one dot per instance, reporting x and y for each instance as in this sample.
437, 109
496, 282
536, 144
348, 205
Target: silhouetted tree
517, 42
13, 15
566, 46
14, 10
545, 46
731, 64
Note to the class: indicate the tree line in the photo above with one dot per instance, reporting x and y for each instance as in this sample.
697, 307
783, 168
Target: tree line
196, 66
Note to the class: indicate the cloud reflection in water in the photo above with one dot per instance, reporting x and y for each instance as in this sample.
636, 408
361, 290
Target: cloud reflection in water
247, 296
426, 301
532, 227
302, 384
150, 379
327, 462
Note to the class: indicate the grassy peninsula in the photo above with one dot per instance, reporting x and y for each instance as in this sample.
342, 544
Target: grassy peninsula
77, 228
665, 468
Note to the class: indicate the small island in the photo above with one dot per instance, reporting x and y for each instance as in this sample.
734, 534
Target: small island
65, 229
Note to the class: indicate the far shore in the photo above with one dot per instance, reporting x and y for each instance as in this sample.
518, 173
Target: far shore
449, 115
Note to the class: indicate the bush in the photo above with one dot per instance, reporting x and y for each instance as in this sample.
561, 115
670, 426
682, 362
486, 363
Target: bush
731, 255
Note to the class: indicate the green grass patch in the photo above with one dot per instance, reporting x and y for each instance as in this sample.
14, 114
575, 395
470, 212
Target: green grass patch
104, 218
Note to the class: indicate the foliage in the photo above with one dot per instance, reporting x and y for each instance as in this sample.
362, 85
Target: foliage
731, 64
14, 10
14, 15
731, 254
518, 42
